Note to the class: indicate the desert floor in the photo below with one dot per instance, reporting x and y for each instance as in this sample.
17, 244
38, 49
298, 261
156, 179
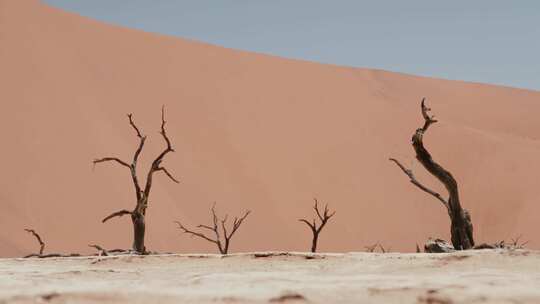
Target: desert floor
487, 276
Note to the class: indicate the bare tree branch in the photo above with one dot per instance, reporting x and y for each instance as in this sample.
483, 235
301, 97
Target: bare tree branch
157, 162
169, 147
133, 166
42, 248
115, 214
415, 182
238, 221
105, 159
130, 117
38, 238
168, 174
197, 234
313, 226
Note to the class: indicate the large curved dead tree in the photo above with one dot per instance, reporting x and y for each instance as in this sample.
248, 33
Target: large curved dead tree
461, 228
316, 230
142, 194
222, 243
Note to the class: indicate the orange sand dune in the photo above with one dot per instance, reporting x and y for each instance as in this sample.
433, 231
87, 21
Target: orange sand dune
251, 132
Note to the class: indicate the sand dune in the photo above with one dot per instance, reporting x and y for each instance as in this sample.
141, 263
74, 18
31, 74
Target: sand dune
251, 132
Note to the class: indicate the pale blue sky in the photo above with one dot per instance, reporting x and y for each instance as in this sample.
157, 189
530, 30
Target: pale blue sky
490, 41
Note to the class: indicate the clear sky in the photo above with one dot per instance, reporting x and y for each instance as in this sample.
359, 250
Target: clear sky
492, 41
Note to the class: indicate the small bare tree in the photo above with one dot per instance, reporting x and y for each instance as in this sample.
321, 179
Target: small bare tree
139, 212
222, 243
373, 247
323, 218
461, 226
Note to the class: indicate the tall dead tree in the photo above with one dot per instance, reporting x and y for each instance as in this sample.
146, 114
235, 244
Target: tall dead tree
316, 230
142, 194
461, 228
222, 243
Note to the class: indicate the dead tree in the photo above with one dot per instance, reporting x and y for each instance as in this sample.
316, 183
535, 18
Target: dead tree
461, 228
38, 238
323, 218
222, 243
142, 194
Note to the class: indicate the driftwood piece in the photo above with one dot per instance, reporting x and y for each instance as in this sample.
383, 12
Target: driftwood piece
38, 238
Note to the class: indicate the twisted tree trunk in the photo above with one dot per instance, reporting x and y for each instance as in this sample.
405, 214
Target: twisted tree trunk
139, 228
461, 228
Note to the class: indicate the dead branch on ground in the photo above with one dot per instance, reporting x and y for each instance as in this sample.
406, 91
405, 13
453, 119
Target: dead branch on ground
38, 238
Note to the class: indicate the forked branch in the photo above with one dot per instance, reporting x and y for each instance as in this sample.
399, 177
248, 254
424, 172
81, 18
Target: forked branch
168, 174
156, 164
316, 229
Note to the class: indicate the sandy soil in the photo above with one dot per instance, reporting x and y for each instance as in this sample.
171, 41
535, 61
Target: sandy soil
486, 276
